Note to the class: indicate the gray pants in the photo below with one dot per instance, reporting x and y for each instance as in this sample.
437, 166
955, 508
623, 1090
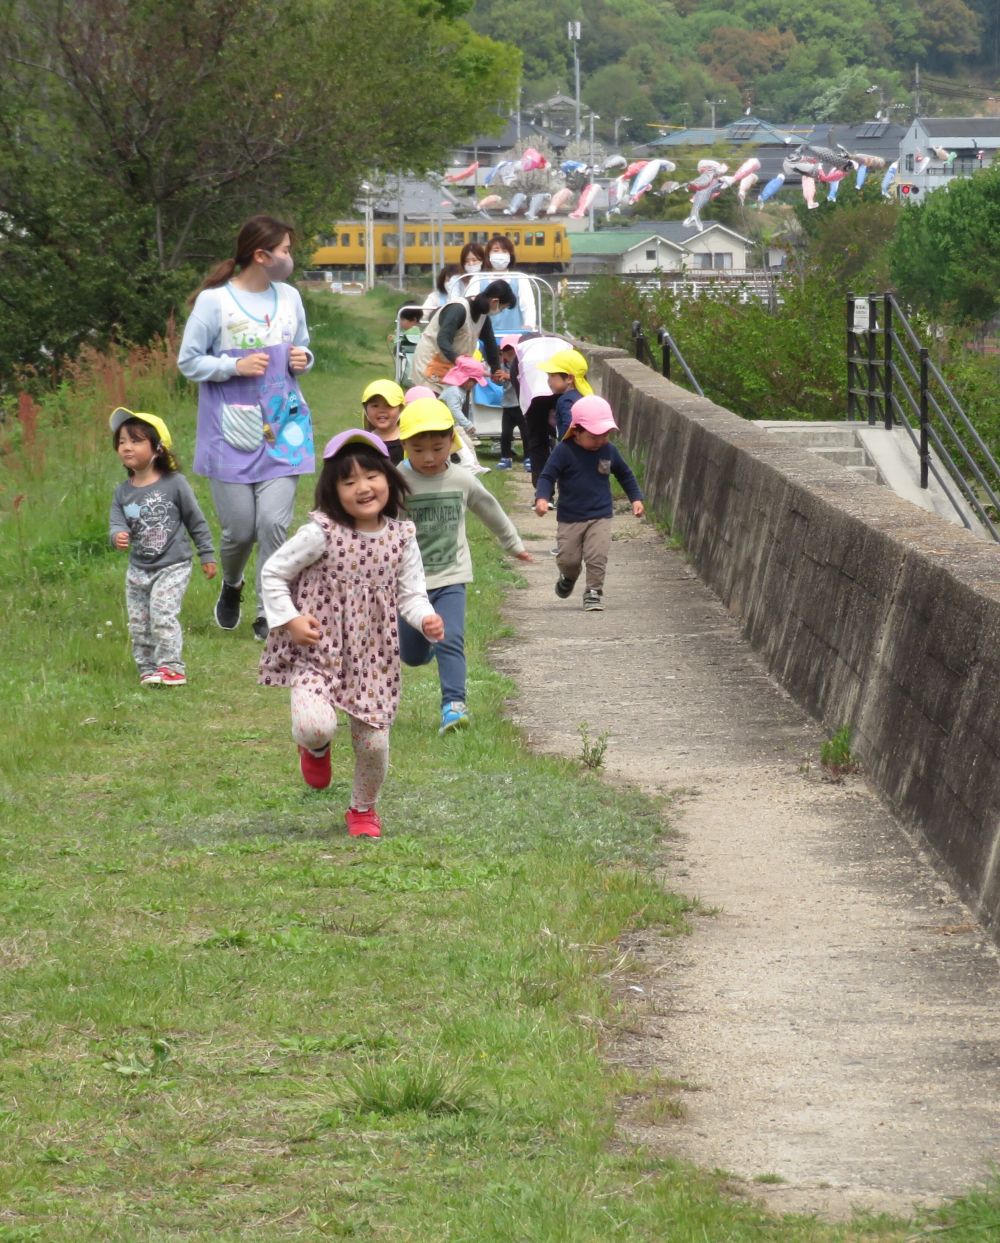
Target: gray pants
252, 513
153, 599
587, 543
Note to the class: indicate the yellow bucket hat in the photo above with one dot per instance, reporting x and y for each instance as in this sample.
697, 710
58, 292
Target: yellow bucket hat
569, 362
120, 415
388, 389
427, 414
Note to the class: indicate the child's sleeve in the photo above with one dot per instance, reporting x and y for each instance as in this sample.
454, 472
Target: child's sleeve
194, 520
623, 473
488, 510
549, 476
282, 568
411, 586
118, 522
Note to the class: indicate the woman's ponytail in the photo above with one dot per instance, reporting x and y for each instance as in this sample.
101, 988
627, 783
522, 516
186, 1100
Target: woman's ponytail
257, 233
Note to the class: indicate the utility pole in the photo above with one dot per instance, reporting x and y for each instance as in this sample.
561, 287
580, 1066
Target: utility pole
712, 103
593, 117
400, 221
573, 34
916, 90
618, 121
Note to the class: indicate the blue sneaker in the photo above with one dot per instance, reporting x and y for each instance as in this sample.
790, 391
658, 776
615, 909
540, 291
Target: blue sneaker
453, 716
527, 464
505, 463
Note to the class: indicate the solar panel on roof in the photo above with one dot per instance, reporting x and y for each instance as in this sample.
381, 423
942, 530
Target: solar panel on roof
873, 129
743, 129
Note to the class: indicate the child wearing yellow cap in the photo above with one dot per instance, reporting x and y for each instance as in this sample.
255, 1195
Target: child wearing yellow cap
440, 492
152, 514
382, 402
567, 371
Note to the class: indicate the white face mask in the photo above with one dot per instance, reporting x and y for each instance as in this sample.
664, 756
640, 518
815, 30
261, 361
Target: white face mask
473, 265
499, 260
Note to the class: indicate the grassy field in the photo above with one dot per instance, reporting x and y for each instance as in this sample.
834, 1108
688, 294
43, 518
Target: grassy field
221, 1019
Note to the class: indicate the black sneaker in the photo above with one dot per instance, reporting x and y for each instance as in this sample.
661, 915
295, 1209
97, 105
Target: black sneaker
260, 628
227, 607
564, 587
593, 600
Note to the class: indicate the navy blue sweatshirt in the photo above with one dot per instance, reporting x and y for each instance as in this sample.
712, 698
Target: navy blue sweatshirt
584, 479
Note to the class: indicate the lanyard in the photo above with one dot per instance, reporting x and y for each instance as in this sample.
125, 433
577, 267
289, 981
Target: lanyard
266, 321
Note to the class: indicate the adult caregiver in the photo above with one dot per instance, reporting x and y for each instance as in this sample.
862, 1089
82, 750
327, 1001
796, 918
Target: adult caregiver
245, 345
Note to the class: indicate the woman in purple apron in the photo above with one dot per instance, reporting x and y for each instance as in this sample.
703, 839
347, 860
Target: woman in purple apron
245, 344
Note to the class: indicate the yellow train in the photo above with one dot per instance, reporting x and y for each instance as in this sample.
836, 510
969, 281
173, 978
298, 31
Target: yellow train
541, 245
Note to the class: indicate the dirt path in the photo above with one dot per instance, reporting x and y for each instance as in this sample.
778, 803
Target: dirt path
836, 1019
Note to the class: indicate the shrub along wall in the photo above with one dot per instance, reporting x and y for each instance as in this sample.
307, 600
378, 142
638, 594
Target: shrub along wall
869, 611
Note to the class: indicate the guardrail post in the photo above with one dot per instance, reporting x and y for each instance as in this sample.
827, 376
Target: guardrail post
851, 399
664, 339
639, 337
924, 448
870, 383
887, 363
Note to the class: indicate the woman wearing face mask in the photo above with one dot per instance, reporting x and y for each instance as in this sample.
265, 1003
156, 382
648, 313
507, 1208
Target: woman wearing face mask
472, 261
500, 262
461, 327
245, 343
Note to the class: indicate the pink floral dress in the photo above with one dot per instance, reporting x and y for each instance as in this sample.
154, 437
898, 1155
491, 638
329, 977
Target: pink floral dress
351, 591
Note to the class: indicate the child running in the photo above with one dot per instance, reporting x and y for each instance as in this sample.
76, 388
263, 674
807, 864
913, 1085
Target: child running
331, 593
382, 402
582, 465
440, 493
567, 379
152, 514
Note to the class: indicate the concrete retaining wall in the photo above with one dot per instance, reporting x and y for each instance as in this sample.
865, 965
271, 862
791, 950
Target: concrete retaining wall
870, 612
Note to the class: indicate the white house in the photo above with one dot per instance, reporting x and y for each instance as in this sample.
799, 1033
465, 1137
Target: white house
660, 246
925, 148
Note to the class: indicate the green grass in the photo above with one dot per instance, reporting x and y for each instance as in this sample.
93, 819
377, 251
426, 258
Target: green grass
222, 1019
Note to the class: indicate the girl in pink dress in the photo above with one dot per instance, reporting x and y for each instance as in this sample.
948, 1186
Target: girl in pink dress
331, 595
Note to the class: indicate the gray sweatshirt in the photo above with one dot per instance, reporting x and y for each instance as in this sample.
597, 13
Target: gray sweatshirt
158, 518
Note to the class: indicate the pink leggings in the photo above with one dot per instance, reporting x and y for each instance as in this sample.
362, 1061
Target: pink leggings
314, 722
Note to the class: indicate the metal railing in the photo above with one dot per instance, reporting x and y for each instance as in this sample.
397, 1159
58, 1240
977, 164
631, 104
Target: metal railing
892, 380
668, 350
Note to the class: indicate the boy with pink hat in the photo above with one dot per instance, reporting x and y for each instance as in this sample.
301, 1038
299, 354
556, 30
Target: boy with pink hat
582, 465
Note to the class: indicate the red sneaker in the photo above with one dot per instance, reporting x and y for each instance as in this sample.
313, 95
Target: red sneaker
363, 823
315, 768
170, 677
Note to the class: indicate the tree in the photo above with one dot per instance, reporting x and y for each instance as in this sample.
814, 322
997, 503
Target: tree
157, 125
945, 256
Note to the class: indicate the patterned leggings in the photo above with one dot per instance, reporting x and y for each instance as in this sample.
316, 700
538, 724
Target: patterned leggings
314, 722
153, 599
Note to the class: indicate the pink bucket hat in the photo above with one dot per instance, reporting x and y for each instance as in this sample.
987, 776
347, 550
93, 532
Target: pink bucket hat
511, 339
466, 368
593, 414
354, 435
418, 390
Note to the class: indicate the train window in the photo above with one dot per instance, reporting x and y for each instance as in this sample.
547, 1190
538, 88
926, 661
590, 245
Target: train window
454, 238
326, 239
390, 239
515, 237
361, 239
411, 239
345, 239
425, 239
539, 238
558, 235
529, 239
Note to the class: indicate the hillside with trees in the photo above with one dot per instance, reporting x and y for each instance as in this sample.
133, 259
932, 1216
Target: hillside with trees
670, 60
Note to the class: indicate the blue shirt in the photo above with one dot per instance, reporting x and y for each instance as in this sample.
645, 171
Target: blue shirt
564, 405
584, 480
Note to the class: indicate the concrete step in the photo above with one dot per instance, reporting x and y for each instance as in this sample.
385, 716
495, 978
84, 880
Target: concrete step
841, 457
816, 437
866, 472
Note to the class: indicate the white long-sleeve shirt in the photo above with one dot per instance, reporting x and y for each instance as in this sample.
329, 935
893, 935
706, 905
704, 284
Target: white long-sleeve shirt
223, 318
306, 546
